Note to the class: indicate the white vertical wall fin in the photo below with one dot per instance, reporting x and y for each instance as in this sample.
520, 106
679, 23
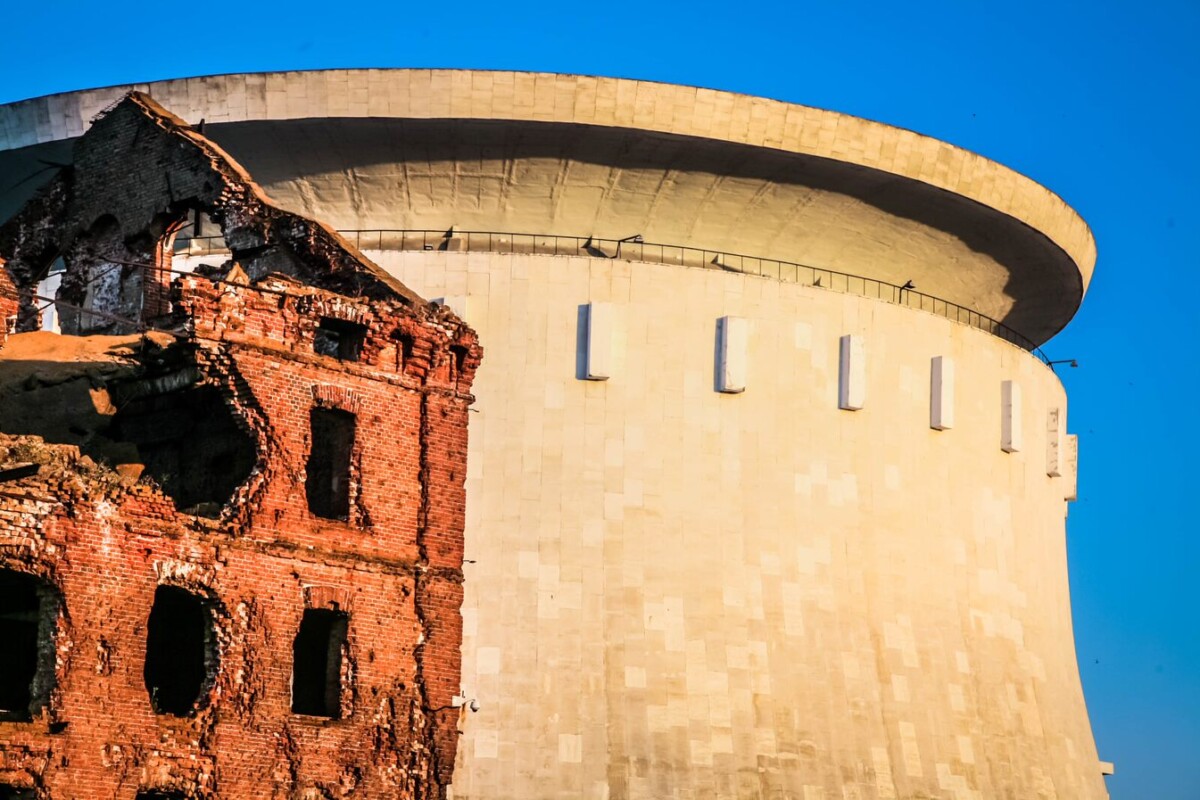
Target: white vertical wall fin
941, 393
852, 376
1011, 438
1071, 465
732, 340
1054, 443
599, 341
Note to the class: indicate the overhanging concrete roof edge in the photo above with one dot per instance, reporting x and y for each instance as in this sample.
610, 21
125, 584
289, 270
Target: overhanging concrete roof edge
550, 97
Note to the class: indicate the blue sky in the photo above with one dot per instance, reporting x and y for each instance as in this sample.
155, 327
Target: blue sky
1098, 101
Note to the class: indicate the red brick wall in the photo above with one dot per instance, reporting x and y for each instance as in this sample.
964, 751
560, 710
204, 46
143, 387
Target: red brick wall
395, 567
8, 303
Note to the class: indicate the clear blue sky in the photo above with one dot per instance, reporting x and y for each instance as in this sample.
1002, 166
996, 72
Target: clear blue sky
1099, 101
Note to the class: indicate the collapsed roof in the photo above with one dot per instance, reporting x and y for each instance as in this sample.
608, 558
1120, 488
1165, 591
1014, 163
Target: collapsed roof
139, 174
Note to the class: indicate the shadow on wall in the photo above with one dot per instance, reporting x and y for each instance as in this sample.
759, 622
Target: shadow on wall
25, 171
1033, 262
27, 627
131, 403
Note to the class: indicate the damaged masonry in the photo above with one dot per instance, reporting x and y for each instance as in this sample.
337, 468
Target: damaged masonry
231, 500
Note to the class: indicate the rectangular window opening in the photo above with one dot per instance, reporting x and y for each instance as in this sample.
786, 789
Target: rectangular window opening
9, 792
317, 663
458, 355
339, 339
327, 484
404, 349
180, 651
27, 612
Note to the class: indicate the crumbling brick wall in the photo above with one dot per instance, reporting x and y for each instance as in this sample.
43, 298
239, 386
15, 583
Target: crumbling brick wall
9, 303
104, 537
137, 174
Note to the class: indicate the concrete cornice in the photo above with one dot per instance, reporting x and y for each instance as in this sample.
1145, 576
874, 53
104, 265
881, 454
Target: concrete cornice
547, 97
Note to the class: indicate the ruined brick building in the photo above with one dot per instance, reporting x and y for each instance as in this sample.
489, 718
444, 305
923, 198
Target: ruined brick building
231, 501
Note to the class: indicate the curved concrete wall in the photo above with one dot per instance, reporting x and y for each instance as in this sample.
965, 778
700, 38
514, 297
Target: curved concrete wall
681, 593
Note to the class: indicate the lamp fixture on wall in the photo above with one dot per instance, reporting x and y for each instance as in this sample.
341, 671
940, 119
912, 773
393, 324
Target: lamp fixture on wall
1072, 362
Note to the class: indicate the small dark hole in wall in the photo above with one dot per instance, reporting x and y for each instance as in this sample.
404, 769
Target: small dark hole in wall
180, 651
317, 663
28, 612
327, 482
404, 348
339, 339
459, 355
8, 792
155, 794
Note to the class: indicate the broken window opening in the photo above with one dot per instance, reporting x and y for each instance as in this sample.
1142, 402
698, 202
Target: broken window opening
28, 617
10, 792
47, 295
339, 339
404, 348
327, 482
458, 360
181, 652
317, 663
190, 443
158, 242
199, 235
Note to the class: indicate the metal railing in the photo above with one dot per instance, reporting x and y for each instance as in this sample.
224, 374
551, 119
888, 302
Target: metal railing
631, 250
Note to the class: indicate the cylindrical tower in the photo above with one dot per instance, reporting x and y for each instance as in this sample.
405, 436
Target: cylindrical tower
766, 491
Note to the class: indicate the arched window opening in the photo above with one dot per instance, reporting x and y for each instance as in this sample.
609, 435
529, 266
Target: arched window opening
28, 617
317, 663
47, 295
180, 651
327, 481
157, 275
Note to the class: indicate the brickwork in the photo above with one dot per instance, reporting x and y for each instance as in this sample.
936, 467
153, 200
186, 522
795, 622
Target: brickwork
105, 539
113, 225
8, 304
